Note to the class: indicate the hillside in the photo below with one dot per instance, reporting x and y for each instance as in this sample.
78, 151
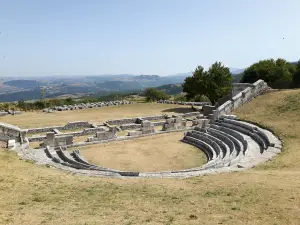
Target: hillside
268, 194
24, 84
171, 89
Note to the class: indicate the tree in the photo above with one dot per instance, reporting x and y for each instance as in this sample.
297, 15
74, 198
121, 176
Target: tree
214, 83
296, 76
153, 94
42, 93
277, 73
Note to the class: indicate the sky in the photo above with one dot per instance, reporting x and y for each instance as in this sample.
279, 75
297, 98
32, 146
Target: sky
93, 37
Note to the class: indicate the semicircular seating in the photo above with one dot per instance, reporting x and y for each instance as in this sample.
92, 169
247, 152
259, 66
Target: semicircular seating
230, 144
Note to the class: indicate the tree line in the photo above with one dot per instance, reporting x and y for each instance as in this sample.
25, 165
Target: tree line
215, 83
277, 73
203, 85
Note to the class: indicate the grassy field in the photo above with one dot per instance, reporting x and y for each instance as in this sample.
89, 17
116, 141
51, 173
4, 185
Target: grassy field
267, 195
97, 115
156, 153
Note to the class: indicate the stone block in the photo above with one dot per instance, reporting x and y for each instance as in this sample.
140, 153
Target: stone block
11, 143
50, 139
146, 123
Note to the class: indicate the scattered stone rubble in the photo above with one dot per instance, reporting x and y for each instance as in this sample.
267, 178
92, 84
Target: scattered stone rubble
10, 112
183, 103
87, 106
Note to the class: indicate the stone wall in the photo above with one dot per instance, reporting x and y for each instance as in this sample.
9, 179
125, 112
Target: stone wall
53, 140
174, 124
68, 126
249, 92
202, 123
146, 128
151, 118
121, 121
190, 114
183, 103
84, 132
138, 120
130, 126
104, 135
10, 132
10, 112
238, 87
86, 106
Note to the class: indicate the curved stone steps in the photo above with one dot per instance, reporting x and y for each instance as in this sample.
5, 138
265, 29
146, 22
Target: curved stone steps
233, 133
223, 147
79, 158
244, 131
76, 164
217, 152
206, 146
66, 157
219, 160
252, 127
235, 144
203, 146
226, 158
221, 137
228, 139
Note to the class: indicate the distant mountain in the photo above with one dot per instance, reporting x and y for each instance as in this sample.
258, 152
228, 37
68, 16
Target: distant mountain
171, 89
235, 71
24, 84
188, 74
120, 85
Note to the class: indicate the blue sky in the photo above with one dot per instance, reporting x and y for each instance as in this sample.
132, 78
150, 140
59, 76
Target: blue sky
72, 37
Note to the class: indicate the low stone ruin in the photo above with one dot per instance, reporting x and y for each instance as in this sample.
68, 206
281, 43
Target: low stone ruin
176, 123
146, 128
10, 112
200, 122
10, 132
183, 103
104, 135
87, 128
240, 95
86, 106
54, 140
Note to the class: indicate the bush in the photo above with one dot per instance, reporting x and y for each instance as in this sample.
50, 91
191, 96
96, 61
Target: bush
153, 94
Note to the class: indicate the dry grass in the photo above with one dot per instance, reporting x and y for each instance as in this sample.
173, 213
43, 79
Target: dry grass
82, 138
155, 153
268, 195
37, 195
97, 115
279, 111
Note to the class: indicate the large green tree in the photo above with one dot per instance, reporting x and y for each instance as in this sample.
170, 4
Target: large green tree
276, 73
213, 83
296, 76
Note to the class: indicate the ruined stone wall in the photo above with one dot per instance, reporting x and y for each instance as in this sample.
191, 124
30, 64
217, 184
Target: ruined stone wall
249, 92
10, 132
174, 124
104, 135
183, 103
68, 126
